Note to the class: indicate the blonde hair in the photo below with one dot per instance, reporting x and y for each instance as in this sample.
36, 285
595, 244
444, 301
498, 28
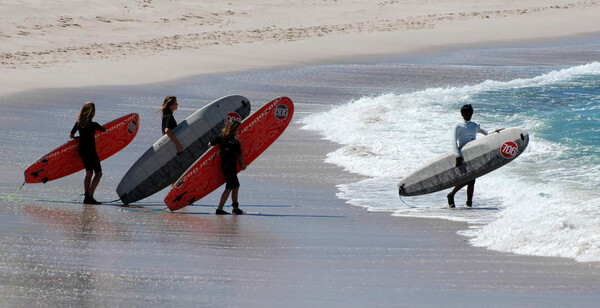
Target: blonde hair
87, 113
169, 100
229, 129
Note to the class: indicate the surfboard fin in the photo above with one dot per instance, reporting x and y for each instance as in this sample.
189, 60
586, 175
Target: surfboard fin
36, 173
180, 197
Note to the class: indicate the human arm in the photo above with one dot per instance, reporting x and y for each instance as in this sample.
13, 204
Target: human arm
481, 130
73, 130
178, 145
455, 138
99, 127
240, 156
214, 141
242, 162
485, 132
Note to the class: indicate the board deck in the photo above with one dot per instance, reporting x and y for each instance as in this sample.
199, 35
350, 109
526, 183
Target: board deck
160, 165
65, 159
481, 156
256, 134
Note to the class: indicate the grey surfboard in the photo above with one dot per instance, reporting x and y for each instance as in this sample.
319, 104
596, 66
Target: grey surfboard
160, 165
481, 156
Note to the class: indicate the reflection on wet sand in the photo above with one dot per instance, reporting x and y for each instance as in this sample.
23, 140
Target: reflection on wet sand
79, 254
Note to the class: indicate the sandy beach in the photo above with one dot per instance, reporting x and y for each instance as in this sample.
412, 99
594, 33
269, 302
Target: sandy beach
90, 43
300, 245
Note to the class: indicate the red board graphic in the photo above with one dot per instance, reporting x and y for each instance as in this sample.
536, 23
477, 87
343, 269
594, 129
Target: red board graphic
509, 150
65, 160
256, 133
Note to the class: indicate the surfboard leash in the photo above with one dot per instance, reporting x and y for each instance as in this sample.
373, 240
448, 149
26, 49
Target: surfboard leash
13, 194
410, 206
128, 210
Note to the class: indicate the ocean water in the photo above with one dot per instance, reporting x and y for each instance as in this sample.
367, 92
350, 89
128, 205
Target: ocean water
545, 203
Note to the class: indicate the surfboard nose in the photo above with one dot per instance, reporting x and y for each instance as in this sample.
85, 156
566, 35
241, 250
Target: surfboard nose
401, 190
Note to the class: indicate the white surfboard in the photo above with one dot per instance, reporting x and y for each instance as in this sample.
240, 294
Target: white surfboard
481, 156
160, 165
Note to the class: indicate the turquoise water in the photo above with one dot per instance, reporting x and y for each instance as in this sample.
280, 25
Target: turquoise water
562, 108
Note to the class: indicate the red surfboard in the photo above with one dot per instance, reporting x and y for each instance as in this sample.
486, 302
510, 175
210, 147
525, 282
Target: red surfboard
256, 133
65, 159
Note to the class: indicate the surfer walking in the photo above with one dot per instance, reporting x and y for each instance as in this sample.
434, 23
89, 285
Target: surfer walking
465, 132
87, 150
169, 106
231, 154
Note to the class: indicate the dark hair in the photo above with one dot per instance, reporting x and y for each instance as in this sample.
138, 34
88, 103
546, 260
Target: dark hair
86, 114
466, 109
169, 100
229, 129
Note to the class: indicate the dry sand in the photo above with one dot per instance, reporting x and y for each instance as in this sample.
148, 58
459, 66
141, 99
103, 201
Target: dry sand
68, 43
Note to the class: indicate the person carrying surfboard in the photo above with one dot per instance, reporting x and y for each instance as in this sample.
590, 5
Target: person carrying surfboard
231, 154
465, 132
169, 106
87, 150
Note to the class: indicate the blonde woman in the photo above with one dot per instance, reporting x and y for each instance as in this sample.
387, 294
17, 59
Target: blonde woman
168, 121
87, 150
231, 154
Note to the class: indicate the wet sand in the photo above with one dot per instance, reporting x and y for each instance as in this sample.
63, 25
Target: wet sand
300, 247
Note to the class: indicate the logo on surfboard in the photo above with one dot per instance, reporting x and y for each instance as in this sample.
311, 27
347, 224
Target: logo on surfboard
233, 116
281, 112
132, 127
509, 150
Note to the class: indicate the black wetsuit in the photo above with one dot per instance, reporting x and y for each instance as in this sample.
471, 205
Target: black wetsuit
230, 148
168, 121
87, 145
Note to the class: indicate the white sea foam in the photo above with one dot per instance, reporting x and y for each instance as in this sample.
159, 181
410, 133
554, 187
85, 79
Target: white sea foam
544, 203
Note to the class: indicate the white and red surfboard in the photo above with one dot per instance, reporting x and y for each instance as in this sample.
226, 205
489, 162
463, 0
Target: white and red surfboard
256, 134
481, 156
65, 159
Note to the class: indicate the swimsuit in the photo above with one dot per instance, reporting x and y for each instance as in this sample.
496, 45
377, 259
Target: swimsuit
230, 148
168, 121
87, 145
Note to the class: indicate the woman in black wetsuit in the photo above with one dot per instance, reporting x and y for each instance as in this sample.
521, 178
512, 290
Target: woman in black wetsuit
231, 153
168, 121
87, 150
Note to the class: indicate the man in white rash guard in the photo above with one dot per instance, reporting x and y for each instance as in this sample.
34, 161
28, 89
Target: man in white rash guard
465, 132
